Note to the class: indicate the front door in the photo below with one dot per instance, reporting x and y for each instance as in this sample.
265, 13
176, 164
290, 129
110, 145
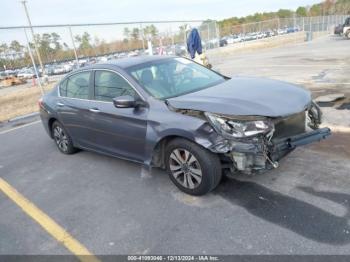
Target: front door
117, 131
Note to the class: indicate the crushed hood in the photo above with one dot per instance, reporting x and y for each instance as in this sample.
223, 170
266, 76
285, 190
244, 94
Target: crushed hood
247, 96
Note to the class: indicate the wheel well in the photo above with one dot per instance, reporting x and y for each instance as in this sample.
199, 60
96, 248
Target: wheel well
51, 121
158, 157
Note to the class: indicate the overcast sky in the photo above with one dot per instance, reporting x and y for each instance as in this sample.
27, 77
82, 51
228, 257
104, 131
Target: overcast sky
88, 11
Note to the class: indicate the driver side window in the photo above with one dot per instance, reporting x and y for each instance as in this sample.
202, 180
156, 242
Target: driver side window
109, 85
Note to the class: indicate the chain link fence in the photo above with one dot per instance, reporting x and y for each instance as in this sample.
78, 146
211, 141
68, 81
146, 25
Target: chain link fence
280, 26
61, 48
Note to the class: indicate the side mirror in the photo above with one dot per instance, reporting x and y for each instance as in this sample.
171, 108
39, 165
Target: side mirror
126, 102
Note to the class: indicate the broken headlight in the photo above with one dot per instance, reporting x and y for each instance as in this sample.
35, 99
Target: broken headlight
314, 115
231, 128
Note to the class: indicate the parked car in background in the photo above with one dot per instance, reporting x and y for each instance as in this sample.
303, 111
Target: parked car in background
68, 67
102, 59
292, 30
223, 42
122, 55
11, 72
3, 75
180, 50
249, 37
49, 70
338, 30
172, 113
260, 35
26, 73
235, 39
168, 50
282, 31
271, 33
212, 43
346, 28
135, 53
58, 70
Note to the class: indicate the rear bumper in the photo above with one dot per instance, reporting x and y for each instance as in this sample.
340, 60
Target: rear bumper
44, 116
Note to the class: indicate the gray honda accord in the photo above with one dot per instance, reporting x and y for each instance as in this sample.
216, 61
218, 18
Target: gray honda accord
172, 113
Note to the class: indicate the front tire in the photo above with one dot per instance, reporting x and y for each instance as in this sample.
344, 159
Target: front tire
62, 140
193, 169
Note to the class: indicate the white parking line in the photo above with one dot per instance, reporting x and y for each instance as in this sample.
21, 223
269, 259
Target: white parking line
322, 83
47, 223
18, 127
328, 66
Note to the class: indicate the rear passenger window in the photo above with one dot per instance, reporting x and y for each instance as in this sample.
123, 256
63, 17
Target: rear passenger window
109, 85
76, 86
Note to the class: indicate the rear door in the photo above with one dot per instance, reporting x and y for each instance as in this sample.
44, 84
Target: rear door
117, 131
73, 106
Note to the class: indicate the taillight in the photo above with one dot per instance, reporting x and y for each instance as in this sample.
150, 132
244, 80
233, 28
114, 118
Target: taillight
41, 103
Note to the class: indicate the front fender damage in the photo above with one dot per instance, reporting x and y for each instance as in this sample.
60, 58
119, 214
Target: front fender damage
263, 151
246, 155
237, 154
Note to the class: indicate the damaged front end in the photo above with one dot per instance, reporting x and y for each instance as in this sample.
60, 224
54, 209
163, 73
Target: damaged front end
254, 144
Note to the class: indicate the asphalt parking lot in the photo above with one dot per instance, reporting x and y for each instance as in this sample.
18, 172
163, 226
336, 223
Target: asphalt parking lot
110, 207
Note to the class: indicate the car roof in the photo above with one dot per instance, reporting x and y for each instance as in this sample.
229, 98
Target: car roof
132, 61
123, 63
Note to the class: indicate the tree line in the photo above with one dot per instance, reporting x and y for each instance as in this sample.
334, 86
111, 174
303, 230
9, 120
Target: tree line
52, 48
327, 7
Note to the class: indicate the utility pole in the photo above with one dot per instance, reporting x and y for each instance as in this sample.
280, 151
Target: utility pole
32, 31
142, 37
208, 33
34, 66
74, 48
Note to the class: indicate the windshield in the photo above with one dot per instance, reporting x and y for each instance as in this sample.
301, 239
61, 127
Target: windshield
173, 77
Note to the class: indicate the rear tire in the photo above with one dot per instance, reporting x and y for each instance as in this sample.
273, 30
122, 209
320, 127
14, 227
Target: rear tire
62, 140
192, 168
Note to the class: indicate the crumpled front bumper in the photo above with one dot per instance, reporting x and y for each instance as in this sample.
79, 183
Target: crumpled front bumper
264, 154
282, 145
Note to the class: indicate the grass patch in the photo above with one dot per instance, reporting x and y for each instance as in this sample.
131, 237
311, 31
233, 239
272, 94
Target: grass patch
21, 102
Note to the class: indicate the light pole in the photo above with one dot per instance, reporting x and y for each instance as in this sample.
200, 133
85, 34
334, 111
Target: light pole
142, 37
74, 48
32, 31
34, 66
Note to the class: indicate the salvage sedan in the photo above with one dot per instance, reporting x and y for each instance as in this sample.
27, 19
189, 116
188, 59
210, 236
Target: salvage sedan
172, 113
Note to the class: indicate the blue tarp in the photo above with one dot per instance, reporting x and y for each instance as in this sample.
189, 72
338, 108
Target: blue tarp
194, 43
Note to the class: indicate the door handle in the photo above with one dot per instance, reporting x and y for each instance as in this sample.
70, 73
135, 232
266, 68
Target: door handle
59, 104
95, 110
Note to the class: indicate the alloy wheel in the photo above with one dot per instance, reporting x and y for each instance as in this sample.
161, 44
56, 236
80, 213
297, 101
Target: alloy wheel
185, 168
61, 138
